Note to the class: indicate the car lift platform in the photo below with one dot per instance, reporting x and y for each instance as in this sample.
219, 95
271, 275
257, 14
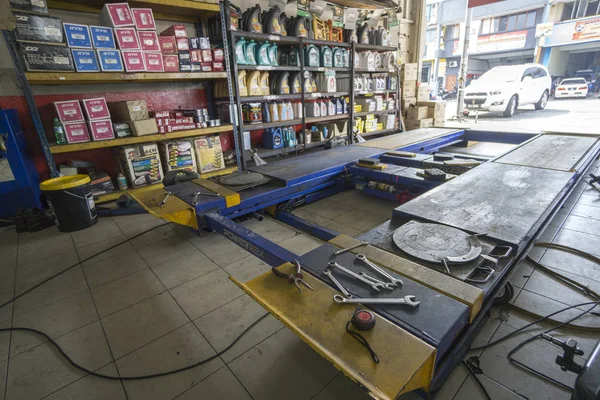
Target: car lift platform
510, 198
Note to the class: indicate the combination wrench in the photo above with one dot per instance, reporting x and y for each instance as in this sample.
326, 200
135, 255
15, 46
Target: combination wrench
341, 251
387, 285
338, 284
374, 286
396, 282
409, 300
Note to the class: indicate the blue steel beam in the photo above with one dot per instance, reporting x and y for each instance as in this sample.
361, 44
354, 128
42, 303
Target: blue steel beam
498, 137
311, 228
269, 252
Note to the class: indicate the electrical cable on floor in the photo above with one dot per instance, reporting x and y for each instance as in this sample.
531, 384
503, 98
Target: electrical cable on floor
485, 392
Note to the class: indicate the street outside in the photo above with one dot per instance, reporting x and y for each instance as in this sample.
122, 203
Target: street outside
568, 115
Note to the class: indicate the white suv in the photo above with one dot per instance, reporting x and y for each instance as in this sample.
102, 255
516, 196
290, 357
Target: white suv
504, 88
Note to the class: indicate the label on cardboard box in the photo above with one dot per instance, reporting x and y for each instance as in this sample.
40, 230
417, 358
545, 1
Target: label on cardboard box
127, 38
168, 44
76, 132
85, 60
41, 57
218, 55
38, 28
218, 66
184, 56
134, 61
206, 66
96, 108
110, 60
149, 41
171, 63
195, 56
101, 130
185, 67
102, 37
154, 62
182, 44
143, 18
116, 15
68, 111
177, 30
206, 55
78, 35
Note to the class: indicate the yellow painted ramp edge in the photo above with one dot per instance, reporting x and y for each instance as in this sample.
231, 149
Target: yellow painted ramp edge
231, 198
174, 210
406, 362
447, 285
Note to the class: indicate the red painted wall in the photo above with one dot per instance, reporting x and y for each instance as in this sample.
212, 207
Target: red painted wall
156, 100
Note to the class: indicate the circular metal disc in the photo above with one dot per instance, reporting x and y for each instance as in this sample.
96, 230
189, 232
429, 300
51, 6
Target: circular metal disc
241, 178
434, 242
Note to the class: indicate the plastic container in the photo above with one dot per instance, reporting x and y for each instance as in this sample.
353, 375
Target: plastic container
326, 57
250, 52
338, 58
121, 181
362, 34
264, 84
296, 82
281, 84
262, 54
251, 19
240, 51
273, 54
242, 83
253, 83
71, 201
273, 138
271, 22
311, 56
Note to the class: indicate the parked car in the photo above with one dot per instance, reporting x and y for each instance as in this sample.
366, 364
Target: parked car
504, 88
589, 76
572, 87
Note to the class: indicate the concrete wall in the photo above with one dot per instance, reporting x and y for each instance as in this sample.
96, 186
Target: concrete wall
454, 10
557, 63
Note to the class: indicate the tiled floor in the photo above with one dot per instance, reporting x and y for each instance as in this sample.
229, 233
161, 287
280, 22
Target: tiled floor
164, 300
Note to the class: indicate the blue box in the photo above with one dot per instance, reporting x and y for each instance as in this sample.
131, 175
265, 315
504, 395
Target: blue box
78, 35
110, 60
103, 37
85, 60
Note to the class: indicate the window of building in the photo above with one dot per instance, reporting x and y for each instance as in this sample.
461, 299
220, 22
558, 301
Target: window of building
485, 27
425, 73
452, 32
429, 12
495, 27
430, 36
508, 23
503, 24
521, 20
531, 16
512, 23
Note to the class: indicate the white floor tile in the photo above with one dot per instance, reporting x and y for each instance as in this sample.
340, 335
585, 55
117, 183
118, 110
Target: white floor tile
114, 268
184, 268
301, 244
342, 388
222, 385
105, 229
92, 388
158, 253
224, 253
247, 268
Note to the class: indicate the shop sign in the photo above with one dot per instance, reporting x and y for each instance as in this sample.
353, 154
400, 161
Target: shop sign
501, 42
587, 29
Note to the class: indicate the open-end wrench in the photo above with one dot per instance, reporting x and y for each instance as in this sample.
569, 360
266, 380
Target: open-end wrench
396, 282
338, 284
338, 252
387, 285
409, 300
374, 286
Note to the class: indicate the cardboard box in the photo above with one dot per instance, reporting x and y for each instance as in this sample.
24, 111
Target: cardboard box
110, 60
41, 57
177, 30
68, 111
38, 28
423, 93
409, 89
184, 56
101, 130
218, 66
437, 109
439, 121
96, 108
168, 44
132, 110
209, 153
116, 15
143, 18
409, 72
206, 55
149, 41
103, 37
154, 62
417, 112
418, 123
407, 102
141, 164
127, 38
218, 55
171, 63
195, 56
76, 132
78, 36
34, 6
134, 61
194, 43
182, 44
205, 66
185, 67
178, 155
143, 127
85, 60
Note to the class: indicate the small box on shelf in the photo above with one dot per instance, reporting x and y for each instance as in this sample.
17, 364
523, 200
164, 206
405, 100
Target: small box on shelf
116, 15
76, 132
182, 44
101, 130
85, 60
143, 127
41, 57
69, 111
33, 6
409, 72
110, 60
102, 37
143, 18
168, 44
38, 28
141, 164
134, 61
177, 30
96, 108
78, 36
131, 110
127, 38
154, 62
171, 63
149, 41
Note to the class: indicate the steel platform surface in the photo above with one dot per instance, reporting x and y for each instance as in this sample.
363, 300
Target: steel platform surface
505, 202
557, 152
297, 169
407, 138
437, 320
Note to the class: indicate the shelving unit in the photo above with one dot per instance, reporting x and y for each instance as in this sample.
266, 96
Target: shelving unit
174, 10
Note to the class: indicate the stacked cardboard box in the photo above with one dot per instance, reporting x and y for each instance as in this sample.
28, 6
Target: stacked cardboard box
435, 110
80, 126
134, 113
408, 78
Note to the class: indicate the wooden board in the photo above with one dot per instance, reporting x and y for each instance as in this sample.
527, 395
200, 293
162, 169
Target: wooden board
407, 138
406, 364
557, 152
231, 198
461, 291
65, 78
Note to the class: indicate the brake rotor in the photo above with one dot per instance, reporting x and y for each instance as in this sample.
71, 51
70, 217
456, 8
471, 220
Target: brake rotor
435, 243
241, 178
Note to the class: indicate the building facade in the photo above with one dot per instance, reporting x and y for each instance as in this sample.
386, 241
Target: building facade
510, 32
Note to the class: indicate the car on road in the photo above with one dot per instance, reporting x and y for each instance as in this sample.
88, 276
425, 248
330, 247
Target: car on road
571, 87
590, 77
505, 88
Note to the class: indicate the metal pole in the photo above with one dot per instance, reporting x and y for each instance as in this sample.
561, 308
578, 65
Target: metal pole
438, 31
574, 9
464, 63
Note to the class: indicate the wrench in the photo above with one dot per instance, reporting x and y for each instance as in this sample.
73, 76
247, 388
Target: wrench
396, 282
409, 300
387, 285
338, 284
338, 252
374, 286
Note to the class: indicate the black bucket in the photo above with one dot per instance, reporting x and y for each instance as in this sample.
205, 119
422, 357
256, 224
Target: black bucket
70, 199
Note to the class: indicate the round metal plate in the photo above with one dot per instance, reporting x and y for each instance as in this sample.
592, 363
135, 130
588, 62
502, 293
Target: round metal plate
434, 242
241, 178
